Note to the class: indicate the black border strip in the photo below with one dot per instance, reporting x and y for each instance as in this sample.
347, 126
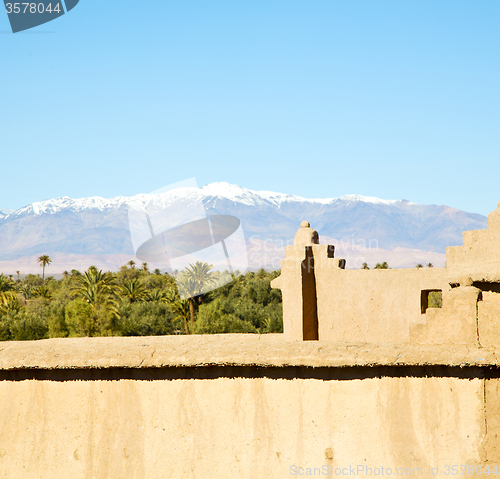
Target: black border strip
249, 372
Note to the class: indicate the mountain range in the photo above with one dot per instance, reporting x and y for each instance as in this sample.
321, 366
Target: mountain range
5, 212
372, 229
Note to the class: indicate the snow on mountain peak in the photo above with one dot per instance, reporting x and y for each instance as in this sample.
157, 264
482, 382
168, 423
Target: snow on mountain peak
231, 192
5, 212
244, 195
240, 194
221, 190
369, 199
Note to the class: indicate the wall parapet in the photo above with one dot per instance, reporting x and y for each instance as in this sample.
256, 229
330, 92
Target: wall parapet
230, 350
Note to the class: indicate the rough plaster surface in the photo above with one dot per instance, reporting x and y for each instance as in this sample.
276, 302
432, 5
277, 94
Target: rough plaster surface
235, 427
480, 246
455, 322
488, 327
244, 406
372, 306
229, 349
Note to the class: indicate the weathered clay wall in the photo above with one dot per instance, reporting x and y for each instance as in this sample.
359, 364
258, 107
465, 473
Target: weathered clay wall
353, 304
480, 246
243, 406
235, 427
322, 300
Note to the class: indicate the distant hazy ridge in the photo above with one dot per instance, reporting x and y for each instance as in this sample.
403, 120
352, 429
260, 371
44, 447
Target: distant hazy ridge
97, 226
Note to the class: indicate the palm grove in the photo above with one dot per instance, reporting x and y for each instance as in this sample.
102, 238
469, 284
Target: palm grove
137, 302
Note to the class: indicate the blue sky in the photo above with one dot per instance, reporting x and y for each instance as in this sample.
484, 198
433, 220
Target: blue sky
394, 99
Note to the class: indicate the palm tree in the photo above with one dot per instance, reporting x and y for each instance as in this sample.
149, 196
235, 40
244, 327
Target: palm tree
145, 267
183, 310
201, 277
365, 266
131, 263
383, 265
157, 295
96, 288
157, 272
18, 276
167, 296
430, 265
187, 291
419, 266
6, 289
26, 291
41, 292
134, 291
10, 305
193, 282
44, 260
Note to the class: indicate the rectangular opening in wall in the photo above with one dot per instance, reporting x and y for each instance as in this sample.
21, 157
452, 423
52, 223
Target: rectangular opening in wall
431, 298
490, 291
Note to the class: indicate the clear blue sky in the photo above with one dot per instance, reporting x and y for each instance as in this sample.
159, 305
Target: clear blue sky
319, 98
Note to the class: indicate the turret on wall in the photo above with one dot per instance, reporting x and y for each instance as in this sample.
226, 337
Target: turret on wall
298, 284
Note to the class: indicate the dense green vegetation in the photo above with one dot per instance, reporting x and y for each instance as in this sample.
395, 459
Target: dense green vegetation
435, 299
136, 302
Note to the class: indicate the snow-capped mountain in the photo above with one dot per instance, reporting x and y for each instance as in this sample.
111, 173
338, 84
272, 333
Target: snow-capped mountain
5, 212
99, 226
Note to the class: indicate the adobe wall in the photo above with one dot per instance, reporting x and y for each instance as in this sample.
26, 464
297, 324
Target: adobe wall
358, 309
480, 247
322, 300
243, 406
365, 379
